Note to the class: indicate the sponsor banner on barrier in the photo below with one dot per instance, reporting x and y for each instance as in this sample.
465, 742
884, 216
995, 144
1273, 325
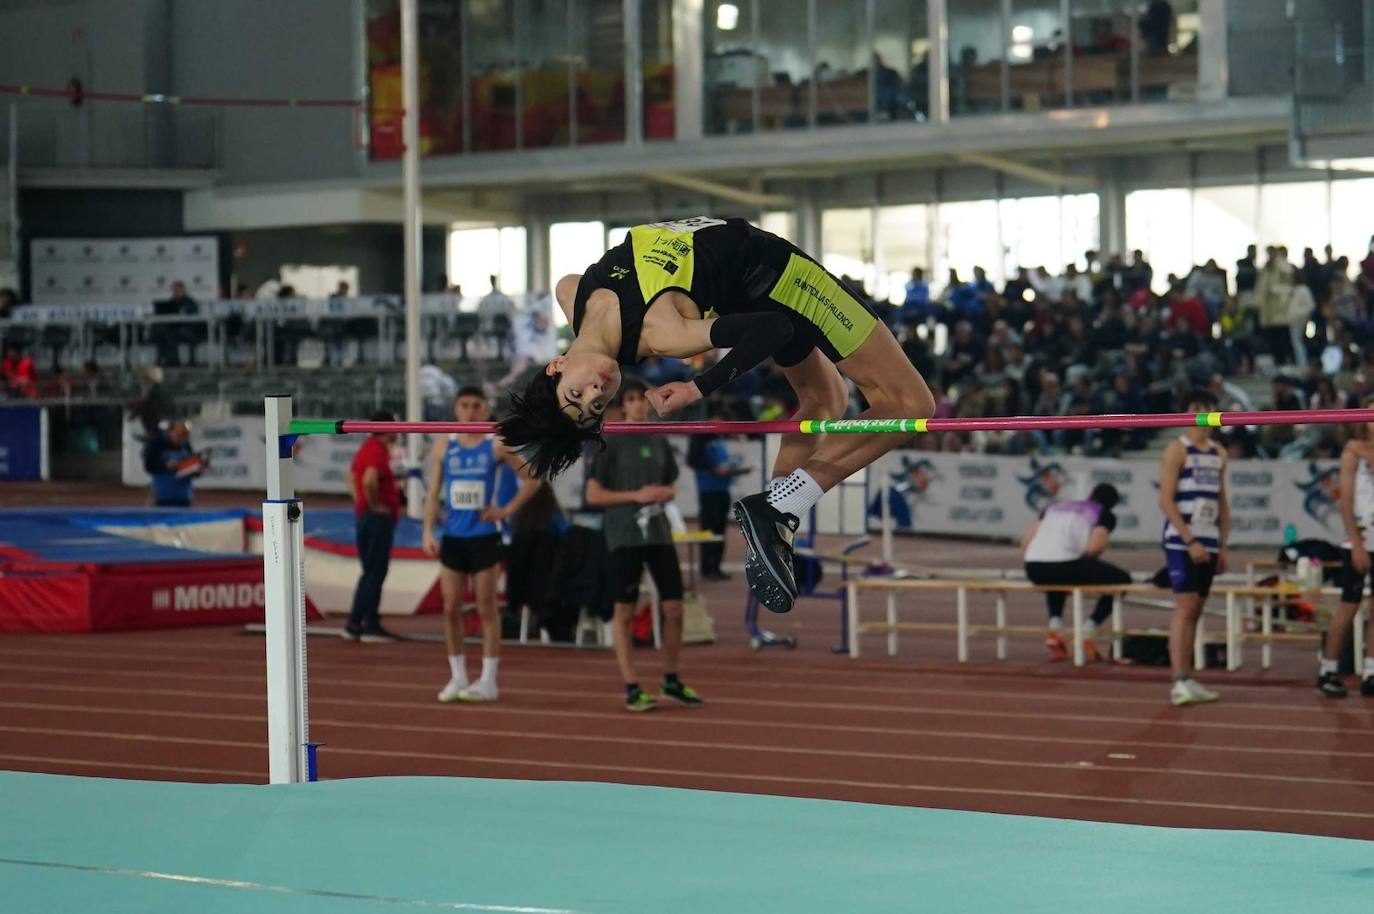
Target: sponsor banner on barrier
122, 270
235, 446
23, 442
201, 595
989, 495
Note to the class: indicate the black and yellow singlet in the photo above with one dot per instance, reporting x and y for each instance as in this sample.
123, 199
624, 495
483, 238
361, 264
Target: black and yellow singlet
727, 266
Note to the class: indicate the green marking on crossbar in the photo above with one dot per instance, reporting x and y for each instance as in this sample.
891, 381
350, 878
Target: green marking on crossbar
314, 427
860, 426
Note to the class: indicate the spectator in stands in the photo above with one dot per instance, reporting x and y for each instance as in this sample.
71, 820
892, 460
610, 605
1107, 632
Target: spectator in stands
19, 372
154, 405
1065, 547
168, 338
1105, 39
496, 311
1157, 27
1247, 275
1273, 292
341, 290
1192, 495
1365, 280
1207, 283
463, 469
1357, 516
710, 460
9, 300
534, 342
632, 479
1138, 275
965, 352
172, 463
1300, 310
916, 305
377, 507
1228, 396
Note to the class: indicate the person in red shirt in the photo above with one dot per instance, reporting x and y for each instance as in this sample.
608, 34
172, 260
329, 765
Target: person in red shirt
20, 374
377, 506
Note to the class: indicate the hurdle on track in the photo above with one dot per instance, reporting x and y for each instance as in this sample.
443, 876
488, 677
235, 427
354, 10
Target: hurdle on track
290, 752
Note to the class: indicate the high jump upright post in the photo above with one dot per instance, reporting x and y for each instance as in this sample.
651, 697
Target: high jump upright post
291, 757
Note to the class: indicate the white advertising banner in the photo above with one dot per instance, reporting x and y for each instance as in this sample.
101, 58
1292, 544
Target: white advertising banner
113, 271
998, 496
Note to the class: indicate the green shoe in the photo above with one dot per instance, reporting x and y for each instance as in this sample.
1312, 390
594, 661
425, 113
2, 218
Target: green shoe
640, 701
679, 692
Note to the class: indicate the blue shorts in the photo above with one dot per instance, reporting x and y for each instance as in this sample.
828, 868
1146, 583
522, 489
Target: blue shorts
1187, 576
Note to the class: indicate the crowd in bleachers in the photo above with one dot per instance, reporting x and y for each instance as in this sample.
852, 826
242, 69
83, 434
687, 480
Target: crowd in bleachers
1104, 336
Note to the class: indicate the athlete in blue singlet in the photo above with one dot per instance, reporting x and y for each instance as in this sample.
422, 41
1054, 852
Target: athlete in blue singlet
463, 473
1197, 523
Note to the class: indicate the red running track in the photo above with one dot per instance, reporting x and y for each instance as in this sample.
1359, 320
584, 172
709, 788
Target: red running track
1028, 738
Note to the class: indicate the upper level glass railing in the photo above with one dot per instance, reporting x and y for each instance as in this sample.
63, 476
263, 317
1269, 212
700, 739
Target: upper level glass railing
1333, 79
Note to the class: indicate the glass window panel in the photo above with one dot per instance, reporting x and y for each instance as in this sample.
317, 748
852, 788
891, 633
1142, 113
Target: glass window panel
1168, 35
616, 234
491, 73
545, 79
1080, 227
598, 42
843, 57
441, 79
847, 244
1035, 55
656, 61
1158, 223
573, 246
1351, 203
472, 252
1294, 215
966, 237
732, 70
1101, 33
904, 241
976, 55
512, 273
784, 46
1031, 234
901, 47
781, 223
1224, 220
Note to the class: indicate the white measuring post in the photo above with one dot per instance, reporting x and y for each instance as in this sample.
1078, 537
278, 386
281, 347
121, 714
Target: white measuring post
289, 754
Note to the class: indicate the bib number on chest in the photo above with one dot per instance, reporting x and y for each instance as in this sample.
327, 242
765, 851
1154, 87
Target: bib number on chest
467, 495
1204, 520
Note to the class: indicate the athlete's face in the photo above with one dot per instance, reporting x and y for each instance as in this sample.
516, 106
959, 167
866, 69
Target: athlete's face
589, 381
470, 408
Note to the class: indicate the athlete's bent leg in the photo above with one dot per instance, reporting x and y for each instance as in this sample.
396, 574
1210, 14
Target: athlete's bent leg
821, 394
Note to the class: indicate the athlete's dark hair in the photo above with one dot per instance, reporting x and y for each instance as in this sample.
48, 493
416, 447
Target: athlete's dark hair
1106, 495
1201, 396
470, 390
538, 429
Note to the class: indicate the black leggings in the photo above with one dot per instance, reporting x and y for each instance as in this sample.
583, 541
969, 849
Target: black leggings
1078, 571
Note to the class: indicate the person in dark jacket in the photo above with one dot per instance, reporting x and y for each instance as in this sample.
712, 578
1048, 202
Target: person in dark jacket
172, 463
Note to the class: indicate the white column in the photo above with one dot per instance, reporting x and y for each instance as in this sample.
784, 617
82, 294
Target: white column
634, 73
413, 249
537, 265
937, 27
1111, 214
1213, 75
688, 76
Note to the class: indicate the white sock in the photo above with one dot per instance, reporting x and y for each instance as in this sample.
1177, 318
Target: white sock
1056, 623
456, 666
1368, 668
796, 494
489, 665
1328, 666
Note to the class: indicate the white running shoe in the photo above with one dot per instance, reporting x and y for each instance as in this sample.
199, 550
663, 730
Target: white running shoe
1191, 692
452, 692
479, 691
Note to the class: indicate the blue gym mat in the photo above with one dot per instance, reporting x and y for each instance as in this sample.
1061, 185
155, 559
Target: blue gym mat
395, 844
72, 535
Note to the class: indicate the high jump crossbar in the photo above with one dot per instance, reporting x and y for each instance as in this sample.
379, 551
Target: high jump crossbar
873, 426
290, 752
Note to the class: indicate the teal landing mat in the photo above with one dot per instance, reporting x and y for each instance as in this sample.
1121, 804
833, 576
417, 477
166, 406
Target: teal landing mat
382, 845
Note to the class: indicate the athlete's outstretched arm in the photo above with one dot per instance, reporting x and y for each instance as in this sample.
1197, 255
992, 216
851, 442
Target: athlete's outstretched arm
751, 338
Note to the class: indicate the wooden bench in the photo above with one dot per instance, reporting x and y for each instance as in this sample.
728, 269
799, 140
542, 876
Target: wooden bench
1234, 636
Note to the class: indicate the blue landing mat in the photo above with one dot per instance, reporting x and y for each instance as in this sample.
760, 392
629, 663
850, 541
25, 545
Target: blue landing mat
400, 844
